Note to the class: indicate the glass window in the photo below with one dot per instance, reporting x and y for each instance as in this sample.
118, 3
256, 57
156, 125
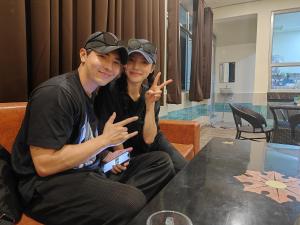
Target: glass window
190, 23
286, 77
285, 67
183, 48
183, 16
286, 36
185, 22
186, 59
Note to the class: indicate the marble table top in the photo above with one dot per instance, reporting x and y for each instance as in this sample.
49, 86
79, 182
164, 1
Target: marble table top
235, 182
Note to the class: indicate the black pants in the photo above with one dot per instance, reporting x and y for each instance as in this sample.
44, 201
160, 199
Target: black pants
162, 144
91, 198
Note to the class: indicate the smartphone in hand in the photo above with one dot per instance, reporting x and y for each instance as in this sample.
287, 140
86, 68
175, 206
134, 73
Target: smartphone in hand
124, 157
112, 155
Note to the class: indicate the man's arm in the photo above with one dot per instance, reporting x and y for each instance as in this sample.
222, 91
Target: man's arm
50, 161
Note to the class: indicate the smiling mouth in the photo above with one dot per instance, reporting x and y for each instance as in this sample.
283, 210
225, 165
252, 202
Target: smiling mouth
136, 73
105, 74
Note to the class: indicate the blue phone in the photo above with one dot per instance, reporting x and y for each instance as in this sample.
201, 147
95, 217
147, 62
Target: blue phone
118, 160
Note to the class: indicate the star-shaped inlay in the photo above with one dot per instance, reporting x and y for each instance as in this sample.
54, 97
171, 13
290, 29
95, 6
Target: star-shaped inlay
228, 142
271, 184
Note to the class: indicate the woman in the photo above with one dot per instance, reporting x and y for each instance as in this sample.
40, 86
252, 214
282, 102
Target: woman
137, 92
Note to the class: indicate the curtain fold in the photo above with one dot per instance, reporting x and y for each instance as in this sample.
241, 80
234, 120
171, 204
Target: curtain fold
44, 37
128, 20
83, 27
158, 34
173, 53
197, 78
149, 22
13, 56
161, 32
100, 14
66, 36
141, 13
54, 37
40, 41
207, 45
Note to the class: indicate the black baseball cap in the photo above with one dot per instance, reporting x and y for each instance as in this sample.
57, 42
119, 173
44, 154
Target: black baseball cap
105, 42
144, 47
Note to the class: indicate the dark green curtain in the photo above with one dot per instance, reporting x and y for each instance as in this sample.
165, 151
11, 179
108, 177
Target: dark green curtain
42, 38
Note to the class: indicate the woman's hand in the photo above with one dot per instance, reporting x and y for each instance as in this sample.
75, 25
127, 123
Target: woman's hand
155, 91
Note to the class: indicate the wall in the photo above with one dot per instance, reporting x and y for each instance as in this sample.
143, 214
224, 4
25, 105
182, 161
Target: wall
263, 9
244, 57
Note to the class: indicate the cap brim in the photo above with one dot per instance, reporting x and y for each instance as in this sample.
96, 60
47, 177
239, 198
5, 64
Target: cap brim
106, 49
146, 56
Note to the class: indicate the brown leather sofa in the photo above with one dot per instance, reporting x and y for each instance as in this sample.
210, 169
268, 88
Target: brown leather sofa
11, 116
184, 135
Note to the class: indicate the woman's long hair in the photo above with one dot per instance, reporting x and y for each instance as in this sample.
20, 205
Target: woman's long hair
150, 79
122, 83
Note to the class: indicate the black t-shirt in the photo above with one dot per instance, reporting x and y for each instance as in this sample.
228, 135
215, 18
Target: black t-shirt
114, 98
58, 113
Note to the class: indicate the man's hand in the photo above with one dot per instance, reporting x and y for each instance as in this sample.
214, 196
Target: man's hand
119, 168
116, 133
112, 155
154, 93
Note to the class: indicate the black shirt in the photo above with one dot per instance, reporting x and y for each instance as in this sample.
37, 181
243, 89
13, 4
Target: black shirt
58, 113
114, 98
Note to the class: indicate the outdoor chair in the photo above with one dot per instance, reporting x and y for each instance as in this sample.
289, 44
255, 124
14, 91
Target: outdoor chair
294, 121
281, 114
248, 121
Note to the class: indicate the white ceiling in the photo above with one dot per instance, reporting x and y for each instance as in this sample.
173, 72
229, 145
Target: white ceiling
188, 4
222, 3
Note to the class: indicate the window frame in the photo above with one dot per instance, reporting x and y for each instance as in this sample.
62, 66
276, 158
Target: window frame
271, 64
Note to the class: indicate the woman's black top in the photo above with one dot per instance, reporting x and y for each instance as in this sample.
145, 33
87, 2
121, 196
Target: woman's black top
114, 98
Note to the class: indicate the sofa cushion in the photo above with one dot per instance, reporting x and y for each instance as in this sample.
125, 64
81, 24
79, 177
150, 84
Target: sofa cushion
182, 132
11, 117
186, 150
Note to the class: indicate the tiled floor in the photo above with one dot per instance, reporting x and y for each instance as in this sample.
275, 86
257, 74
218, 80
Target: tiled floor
215, 115
208, 132
215, 112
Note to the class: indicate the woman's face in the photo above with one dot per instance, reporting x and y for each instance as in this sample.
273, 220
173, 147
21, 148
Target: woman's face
137, 68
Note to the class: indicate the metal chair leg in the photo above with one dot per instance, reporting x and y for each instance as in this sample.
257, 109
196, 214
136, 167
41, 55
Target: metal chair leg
267, 136
237, 135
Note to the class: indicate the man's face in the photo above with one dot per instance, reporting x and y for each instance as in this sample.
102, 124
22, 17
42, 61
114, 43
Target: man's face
101, 68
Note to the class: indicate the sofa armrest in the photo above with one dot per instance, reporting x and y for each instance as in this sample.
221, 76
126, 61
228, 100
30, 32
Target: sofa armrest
182, 132
11, 117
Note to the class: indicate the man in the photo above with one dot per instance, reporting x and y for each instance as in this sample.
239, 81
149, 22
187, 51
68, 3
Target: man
57, 156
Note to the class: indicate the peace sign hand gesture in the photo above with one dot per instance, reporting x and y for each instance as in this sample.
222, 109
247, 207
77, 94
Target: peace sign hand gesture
154, 93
